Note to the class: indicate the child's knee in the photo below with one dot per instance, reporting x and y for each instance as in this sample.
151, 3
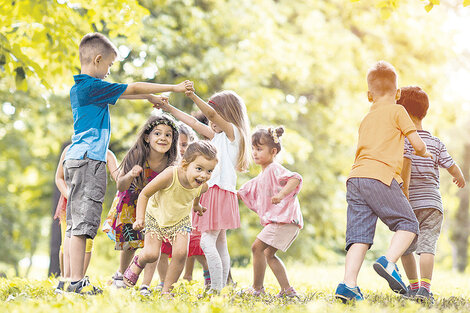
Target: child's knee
179, 256
152, 256
256, 247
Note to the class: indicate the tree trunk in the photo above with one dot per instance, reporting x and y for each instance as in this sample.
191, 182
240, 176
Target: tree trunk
461, 231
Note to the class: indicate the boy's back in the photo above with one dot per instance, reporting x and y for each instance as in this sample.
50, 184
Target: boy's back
89, 98
424, 180
379, 153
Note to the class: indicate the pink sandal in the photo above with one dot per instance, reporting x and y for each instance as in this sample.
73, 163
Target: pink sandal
130, 278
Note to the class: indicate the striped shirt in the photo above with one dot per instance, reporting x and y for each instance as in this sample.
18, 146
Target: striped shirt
424, 182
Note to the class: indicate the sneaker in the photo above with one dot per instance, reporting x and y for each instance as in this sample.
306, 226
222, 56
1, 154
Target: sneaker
289, 293
118, 280
60, 287
410, 293
389, 271
84, 287
145, 291
424, 296
346, 294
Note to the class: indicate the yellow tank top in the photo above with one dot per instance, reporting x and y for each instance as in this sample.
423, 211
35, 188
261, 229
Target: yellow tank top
169, 206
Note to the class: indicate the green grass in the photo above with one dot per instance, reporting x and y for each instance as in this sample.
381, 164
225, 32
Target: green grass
316, 284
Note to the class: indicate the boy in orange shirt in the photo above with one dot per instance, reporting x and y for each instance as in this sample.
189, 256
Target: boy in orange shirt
374, 184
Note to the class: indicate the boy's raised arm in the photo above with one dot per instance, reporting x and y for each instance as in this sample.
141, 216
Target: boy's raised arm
142, 88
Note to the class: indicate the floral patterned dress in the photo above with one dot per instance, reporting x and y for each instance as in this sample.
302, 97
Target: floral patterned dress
121, 216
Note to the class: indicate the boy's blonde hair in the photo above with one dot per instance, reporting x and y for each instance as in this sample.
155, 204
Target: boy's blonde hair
231, 108
382, 79
93, 44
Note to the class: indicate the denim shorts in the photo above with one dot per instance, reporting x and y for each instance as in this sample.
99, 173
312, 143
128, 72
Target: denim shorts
86, 183
369, 199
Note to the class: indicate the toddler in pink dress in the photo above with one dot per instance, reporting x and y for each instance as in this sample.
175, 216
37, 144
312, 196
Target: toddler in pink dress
273, 196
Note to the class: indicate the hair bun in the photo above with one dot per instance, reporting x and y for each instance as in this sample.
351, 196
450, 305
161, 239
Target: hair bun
279, 131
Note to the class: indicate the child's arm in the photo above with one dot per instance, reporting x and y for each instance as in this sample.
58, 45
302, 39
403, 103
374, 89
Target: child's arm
212, 115
162, 181
124, 181
59, 174
406, 175
457, 175
418, 145
196, 205
189, 120
290, 186
111, 162
148, 88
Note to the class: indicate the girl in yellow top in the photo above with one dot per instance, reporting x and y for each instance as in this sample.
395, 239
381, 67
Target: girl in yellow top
164, 207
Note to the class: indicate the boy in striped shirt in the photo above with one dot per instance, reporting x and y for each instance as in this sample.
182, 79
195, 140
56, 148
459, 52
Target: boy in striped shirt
421, 186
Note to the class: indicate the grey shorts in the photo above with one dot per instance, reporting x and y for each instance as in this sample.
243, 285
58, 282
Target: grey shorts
86, 183
430, 223
369, 199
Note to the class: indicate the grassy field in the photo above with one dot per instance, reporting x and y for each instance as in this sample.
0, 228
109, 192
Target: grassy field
315, 283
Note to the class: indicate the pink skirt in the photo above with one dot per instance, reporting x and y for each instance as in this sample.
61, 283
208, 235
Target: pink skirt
222, 210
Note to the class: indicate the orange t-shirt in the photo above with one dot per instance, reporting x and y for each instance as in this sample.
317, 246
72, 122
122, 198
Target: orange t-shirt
380, 146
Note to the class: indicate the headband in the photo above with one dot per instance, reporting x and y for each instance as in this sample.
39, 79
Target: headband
159, 122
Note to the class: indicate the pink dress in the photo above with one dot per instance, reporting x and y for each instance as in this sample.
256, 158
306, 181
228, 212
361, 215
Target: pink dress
257, 194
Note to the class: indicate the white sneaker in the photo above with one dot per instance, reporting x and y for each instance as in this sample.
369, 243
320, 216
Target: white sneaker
118, 281
144, 290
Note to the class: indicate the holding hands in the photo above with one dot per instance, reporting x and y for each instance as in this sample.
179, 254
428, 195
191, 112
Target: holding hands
185, 86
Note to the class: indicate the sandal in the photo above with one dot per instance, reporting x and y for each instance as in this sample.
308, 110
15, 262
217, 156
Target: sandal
289, 293
130, 278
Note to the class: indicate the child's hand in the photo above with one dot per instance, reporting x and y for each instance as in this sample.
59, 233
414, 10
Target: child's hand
199, 210
158, 101
184, 86
135, 171
138, 224
460, 181
277, 198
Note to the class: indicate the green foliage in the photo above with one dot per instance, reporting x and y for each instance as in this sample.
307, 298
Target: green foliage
301, 64
315, 284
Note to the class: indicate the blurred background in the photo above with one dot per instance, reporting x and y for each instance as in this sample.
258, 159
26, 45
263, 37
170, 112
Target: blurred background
301, 64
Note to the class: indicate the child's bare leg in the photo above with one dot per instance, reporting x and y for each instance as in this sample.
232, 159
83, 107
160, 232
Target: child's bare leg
277, 266
178, 258
66, 258
259, 263
354, 259
125, 259
149, 271
426, 265
409, 264
202, 260
77, 256
162, 266
189, 267
149, 253
401, 240
86, 262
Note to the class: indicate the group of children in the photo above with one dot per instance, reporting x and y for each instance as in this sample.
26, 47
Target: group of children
175, 191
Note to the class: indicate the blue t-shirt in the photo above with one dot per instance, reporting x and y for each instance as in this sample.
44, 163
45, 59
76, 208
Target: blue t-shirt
90, 97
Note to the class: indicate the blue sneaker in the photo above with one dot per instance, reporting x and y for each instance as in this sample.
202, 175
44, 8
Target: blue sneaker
389, 271
346, 294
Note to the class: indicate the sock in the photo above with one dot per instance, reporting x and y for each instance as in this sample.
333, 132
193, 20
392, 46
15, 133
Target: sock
426, 284
414, 284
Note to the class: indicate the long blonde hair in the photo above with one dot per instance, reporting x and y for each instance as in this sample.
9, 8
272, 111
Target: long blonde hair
231, 108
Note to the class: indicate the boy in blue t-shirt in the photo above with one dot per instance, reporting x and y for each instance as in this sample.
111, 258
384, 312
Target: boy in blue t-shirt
85, 161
